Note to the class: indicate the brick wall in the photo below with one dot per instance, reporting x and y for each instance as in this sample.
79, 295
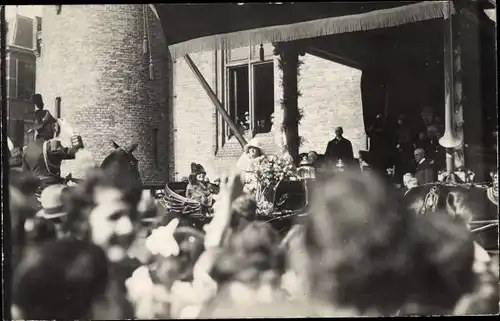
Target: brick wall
92, 58
193, 116
331, 96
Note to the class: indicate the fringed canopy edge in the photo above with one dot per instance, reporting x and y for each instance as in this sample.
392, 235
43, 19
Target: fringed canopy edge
385, 18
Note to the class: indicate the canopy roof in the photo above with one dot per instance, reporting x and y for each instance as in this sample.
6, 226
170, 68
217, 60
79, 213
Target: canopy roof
200, 27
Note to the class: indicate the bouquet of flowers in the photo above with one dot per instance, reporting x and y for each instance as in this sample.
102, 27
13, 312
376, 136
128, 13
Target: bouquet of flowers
268, 173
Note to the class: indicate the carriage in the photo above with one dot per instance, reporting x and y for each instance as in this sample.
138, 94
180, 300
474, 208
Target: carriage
289, 205
476, 203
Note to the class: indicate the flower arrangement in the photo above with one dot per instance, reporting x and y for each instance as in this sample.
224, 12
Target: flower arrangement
269, 171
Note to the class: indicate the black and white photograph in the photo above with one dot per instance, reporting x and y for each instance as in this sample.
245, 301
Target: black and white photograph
249, 160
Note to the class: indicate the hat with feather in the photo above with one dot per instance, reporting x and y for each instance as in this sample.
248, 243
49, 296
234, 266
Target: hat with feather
197, 169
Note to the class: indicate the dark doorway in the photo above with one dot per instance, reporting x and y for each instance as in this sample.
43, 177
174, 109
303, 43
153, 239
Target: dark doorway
239, 97
263, 77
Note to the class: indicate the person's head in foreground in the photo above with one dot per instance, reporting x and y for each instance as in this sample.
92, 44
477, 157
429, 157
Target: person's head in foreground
104, 214
355, 238
22, 203
243, 211
250, 253
53, 209
59, 280
442, 265
367, 252
176, 254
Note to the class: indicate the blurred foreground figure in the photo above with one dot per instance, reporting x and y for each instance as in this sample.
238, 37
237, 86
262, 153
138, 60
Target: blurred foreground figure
59, 280
22, 207
102, 211
377, 258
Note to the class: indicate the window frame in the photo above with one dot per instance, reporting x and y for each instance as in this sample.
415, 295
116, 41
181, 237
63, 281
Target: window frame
250, 62
12, 81
33, 73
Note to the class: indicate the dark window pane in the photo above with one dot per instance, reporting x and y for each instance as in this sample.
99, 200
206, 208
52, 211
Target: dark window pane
12, 88
25, 79
239, 97
263, 96
11, 67
24, 32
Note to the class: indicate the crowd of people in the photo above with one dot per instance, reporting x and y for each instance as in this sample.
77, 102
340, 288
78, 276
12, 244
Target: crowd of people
406, 147
106, 249
98, 254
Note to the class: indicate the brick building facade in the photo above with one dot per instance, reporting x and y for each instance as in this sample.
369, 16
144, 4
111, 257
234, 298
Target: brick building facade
92, 57
331, 96
96, 64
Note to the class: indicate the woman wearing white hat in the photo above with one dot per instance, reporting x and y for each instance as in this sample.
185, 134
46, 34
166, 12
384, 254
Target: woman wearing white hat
252, 156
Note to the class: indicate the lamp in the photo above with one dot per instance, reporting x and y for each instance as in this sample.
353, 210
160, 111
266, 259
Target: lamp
261, 52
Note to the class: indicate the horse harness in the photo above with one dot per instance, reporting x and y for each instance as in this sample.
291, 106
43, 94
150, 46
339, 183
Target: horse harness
431, 200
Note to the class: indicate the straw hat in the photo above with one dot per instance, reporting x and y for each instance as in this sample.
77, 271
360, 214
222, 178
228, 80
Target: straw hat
51, 201
255, 143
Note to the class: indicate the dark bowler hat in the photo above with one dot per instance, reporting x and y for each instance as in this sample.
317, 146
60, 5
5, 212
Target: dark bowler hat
48, 119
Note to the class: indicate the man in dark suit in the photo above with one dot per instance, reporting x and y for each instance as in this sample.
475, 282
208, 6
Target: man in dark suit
425, 172
339, 148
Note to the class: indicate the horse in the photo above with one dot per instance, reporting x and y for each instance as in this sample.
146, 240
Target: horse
121, 163
476, 205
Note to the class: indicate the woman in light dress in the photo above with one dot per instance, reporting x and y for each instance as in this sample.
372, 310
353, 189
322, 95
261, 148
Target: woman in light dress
249, 162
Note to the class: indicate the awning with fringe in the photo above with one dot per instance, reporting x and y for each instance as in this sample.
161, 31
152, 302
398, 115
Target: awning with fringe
270, 28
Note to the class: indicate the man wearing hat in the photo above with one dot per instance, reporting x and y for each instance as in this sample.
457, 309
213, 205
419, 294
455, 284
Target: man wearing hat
53, 209
43, 156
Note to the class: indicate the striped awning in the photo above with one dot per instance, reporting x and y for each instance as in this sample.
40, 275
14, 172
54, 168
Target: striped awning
203, 27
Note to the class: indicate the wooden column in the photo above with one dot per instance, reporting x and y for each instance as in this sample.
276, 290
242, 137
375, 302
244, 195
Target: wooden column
215, 101
452, 139
289, 63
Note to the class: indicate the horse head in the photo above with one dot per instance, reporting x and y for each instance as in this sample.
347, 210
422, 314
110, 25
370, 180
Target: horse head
122, 164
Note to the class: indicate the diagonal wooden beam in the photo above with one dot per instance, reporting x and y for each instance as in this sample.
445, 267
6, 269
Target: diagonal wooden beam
215, 100
333, 57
